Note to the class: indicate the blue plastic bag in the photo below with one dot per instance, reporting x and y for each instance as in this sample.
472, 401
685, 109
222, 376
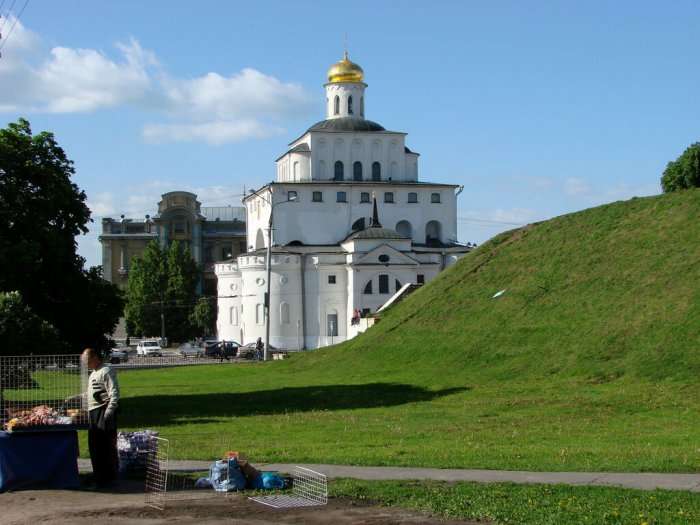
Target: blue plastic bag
226, 476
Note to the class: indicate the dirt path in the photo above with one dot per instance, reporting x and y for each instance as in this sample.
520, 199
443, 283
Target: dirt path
86, 508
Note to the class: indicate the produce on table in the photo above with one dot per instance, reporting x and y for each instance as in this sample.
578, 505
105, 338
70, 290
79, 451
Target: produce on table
39, 416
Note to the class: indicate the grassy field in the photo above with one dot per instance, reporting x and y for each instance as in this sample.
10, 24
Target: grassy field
588, 361
506, 503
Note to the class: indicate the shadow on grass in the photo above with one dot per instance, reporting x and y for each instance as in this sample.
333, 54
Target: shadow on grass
166, 409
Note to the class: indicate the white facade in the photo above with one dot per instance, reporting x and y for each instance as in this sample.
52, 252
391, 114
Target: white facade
331, 258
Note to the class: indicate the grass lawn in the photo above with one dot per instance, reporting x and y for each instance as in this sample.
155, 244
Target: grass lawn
275, 412
507, 503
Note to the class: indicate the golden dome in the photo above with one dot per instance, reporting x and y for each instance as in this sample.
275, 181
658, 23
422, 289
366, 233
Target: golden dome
345, 71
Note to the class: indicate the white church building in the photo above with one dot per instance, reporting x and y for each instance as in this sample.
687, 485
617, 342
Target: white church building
352, 224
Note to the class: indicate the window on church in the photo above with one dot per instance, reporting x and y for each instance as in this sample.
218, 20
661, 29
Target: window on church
398, 285
420, 278
332, 320
284, 313
435, 198
331, 279
362, 106
359, 224
376, 171
350, 105
226, 253
357, 171
389, 196
336, 105
291, 195
364, 196
317, 196
368, 288
383, 283
341, 196
412, 197
338, 173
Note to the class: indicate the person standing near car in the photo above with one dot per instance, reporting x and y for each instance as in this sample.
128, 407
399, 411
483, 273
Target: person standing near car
103, 402
259, 347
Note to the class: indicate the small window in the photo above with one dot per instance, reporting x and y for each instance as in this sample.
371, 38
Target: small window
331, 279
362, 106
384, 258
317, 196
383, 284
397, 283
376, 171
226, 253
364, 196
179, 227
292, 195
357, 171
420, 278
368, 288
350, 105
336, 105
435, 198
338, 173
389, 196
412, 197
341, 196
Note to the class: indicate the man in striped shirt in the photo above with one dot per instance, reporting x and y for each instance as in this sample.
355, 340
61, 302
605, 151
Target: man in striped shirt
103, 401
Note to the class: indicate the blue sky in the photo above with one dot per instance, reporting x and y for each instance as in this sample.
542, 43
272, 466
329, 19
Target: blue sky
537, 108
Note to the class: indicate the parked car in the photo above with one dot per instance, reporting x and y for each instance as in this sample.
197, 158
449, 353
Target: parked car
119, 355
221, 349
189, 350
248, 351
149, 348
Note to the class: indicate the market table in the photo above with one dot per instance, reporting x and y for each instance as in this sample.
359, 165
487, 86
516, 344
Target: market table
39, 459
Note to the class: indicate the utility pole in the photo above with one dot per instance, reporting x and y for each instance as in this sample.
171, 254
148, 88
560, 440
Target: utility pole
162, 319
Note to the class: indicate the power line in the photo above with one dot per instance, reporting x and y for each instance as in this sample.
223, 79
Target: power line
2, 45
7, 14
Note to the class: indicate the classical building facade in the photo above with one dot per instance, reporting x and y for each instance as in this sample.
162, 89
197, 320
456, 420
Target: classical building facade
352, 225
213, 233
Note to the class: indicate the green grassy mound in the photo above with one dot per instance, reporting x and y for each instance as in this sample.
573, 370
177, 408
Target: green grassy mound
589, 361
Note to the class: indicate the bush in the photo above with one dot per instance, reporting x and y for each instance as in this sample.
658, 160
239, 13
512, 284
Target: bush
684, 172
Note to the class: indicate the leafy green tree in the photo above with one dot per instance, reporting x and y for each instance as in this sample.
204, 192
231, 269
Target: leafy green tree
24, 332
684, 172
204, 316
162, 282
41, 213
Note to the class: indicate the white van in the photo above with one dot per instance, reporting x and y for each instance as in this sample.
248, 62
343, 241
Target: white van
149, 347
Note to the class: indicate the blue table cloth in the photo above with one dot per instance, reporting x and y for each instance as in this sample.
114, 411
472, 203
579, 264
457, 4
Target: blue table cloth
39, 460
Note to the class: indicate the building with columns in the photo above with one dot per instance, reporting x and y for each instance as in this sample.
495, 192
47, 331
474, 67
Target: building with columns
213, 233
352, 224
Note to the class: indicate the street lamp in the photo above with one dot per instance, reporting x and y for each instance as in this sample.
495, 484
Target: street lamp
268, 267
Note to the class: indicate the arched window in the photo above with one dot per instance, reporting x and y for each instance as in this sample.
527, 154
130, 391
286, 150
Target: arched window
233, 315
383, 283
433, 233
362, 106
404, 228
376, 171
350, 105
259, 240
338, 171
358, 225
368, 288
336, 105
357, 171
284, 313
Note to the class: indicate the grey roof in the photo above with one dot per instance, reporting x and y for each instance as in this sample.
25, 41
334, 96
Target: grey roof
347, 124
223, 213
376, 233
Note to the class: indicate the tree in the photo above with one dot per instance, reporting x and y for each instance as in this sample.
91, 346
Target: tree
41, 213
162, 282
684, 172
204, 316
24, 332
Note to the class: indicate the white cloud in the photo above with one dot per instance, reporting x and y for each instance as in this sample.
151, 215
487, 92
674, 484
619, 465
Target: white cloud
576, 187
101, 205
216, 132
211, 108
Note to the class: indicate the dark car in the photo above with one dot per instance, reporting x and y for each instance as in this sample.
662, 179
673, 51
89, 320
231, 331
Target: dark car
221, 349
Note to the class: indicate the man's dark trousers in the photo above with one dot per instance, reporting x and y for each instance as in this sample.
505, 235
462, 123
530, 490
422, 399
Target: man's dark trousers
102, 442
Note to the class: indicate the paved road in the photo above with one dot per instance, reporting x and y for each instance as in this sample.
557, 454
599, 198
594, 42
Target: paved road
644, 481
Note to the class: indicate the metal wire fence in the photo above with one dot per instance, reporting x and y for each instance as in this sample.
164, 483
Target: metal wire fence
40, 393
